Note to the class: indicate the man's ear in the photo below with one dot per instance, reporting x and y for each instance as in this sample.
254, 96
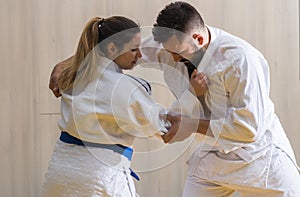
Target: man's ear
112, 49
199, 38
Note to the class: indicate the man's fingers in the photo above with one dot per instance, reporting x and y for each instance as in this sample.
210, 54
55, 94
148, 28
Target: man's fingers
201, 75
56, 73
53, 85
175, 122
173, 118
194, 74
56, 92
168, 136
202, 79
202, 82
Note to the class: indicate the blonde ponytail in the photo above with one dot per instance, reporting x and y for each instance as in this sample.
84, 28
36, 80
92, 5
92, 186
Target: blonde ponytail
82, 66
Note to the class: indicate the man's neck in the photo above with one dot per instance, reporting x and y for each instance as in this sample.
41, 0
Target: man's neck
207, 37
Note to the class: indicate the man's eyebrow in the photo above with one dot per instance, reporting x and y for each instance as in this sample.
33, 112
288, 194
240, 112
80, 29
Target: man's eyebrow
178, 53
171, 51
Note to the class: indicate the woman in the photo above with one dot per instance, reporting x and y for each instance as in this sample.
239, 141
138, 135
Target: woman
102, 111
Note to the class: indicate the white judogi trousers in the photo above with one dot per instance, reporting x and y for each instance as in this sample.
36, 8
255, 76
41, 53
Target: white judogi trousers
282, 179
79, 171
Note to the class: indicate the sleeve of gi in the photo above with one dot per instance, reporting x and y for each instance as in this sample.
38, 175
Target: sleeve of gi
247, 86
135, 110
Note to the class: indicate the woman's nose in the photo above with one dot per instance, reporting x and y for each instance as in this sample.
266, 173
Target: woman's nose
139, 53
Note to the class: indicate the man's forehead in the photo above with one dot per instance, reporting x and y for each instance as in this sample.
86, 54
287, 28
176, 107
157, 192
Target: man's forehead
173, 44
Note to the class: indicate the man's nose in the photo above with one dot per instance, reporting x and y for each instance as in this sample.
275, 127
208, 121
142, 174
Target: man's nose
176, 57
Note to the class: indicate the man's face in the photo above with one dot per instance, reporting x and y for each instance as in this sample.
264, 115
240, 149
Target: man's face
180, 49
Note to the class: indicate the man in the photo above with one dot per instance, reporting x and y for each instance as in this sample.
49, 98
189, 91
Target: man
250, 152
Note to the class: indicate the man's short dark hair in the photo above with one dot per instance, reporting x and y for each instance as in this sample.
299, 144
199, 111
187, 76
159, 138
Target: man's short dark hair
176, 17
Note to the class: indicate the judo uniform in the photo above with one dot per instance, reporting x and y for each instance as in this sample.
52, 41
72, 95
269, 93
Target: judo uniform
113, 108
249, 151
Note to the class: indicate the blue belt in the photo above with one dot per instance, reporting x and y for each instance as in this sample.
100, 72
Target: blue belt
118, 148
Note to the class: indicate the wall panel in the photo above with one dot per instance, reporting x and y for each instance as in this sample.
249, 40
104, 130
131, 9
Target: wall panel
36, 34
60, 24
18, 107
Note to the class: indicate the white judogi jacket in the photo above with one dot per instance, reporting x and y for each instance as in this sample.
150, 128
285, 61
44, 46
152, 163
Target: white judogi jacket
114, 108
243, 121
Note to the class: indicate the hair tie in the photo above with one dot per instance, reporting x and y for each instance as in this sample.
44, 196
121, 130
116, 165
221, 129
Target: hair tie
101, 23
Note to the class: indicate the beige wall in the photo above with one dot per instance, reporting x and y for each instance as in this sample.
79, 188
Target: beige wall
35, 34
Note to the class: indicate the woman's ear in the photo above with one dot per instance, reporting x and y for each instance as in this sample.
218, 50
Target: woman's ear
112, 49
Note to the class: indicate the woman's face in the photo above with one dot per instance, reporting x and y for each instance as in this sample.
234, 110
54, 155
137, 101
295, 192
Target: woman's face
130, 53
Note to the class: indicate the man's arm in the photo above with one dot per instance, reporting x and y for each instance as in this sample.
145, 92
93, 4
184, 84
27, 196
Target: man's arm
183, 127
56, 73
